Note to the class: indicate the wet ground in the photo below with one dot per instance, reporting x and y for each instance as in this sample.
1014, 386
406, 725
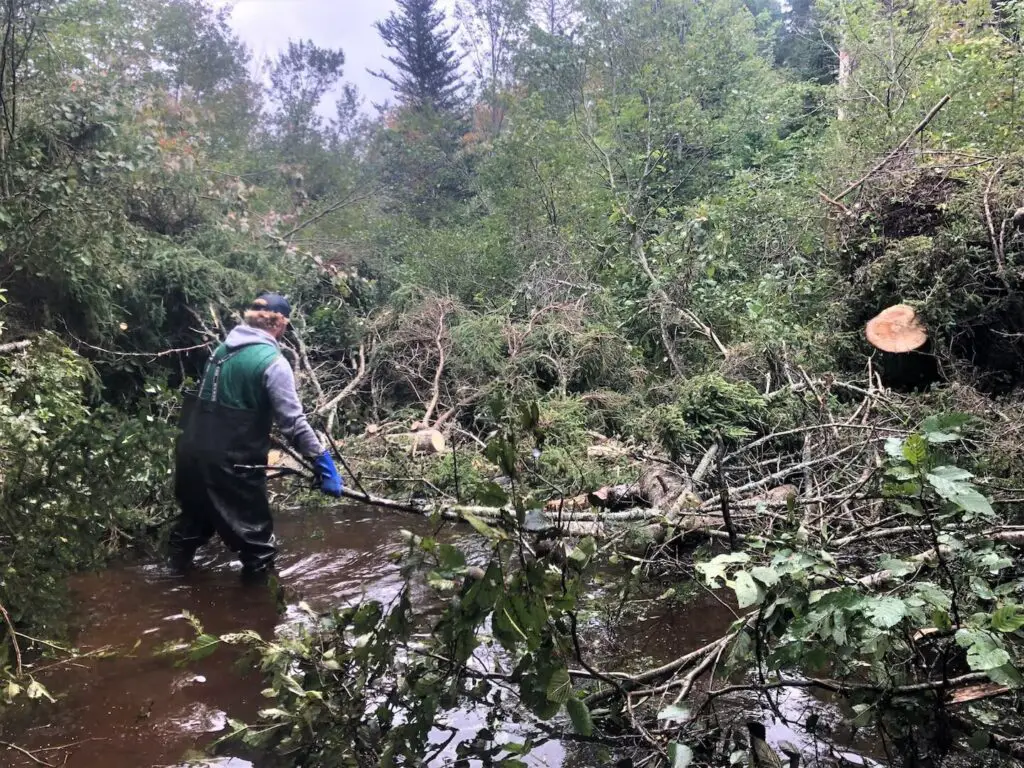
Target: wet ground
137, 709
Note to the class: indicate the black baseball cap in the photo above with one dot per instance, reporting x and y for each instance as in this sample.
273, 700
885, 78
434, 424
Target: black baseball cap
272, 302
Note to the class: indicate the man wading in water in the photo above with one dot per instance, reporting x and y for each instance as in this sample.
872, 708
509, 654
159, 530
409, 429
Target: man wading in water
246, 386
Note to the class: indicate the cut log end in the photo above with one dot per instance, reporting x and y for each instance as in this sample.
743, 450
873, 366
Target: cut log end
428, 441
896, 329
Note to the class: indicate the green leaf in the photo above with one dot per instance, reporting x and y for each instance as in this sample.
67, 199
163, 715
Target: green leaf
748, 592
679, 755
675, 713
716, 569
898, 568
986, 659
945, 427
1008, 618
274, 713
492, 495
481, 527
559, 686
886, 612
582, 723
915, 450
767, 576
894, 448
1006, 675
203, 646
941, 620
970, 499
981, 588
953, 474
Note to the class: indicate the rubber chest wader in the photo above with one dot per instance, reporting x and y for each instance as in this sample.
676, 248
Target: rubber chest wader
226, 425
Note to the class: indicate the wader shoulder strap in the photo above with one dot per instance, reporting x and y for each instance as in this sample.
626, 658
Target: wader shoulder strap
214, 368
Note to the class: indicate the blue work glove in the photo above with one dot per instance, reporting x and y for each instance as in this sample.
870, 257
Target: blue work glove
330, 481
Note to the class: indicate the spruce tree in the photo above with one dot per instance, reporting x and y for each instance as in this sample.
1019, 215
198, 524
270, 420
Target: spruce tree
427, 65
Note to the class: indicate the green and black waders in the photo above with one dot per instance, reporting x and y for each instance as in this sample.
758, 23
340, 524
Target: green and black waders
226, 425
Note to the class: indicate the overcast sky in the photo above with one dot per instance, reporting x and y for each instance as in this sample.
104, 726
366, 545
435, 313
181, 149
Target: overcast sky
267, 25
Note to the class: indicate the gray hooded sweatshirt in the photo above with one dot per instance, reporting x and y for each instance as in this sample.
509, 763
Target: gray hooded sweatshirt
284, 400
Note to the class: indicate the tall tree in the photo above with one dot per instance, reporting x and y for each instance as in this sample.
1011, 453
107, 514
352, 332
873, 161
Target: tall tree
428, 74
299, 79
492, 32
553, 16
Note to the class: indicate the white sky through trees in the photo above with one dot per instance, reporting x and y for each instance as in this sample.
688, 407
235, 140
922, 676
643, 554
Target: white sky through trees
266, 26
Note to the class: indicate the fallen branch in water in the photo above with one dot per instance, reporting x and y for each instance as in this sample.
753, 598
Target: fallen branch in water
26, 753
972, 678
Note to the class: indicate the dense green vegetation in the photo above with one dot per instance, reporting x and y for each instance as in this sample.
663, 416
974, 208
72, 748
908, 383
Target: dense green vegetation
652, 228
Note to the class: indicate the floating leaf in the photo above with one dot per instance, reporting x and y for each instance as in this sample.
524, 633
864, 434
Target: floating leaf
203, 646
37, 691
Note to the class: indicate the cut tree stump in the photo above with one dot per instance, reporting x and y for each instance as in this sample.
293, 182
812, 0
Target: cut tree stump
896, 329
428, 441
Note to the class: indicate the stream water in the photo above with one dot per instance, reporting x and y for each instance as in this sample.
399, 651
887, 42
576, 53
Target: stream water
141, 710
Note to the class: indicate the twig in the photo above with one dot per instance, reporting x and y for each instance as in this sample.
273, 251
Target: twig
435, 392
705, 463
661, 672
810, 428
148, 355
353, 198
26, 753
899, 148
843, 688
331, 406
723, 491
997, 245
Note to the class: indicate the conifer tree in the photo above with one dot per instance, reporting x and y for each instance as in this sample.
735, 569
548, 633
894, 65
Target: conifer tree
427, 65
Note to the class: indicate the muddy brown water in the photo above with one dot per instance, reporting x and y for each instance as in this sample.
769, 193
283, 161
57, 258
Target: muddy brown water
138, 709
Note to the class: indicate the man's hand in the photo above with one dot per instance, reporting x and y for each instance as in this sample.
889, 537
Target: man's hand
330, 481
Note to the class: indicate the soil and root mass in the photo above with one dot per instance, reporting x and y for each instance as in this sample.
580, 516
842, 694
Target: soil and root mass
664, 319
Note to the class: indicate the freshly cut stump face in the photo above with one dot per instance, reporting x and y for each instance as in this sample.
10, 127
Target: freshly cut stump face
896, 329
